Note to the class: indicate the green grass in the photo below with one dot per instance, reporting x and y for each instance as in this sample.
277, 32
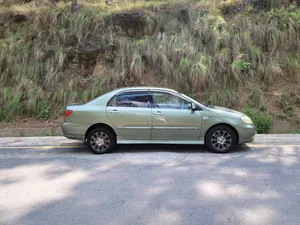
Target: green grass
208, 56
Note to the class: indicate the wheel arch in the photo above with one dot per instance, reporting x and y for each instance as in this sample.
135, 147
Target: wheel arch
99, 125
223, 124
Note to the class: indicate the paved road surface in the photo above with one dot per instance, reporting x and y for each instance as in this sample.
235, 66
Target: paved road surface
258, 184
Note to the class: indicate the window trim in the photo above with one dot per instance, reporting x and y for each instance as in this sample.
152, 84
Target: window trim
131, 91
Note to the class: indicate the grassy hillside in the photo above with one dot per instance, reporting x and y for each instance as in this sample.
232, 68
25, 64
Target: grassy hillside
228, 53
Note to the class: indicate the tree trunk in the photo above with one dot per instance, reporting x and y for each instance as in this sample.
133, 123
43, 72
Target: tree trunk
74, 6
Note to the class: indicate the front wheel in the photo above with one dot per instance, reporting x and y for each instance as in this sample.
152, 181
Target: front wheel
220, 139
101, 140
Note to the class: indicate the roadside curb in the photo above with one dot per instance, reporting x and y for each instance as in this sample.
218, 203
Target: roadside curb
277, 139
53, 141
31, 132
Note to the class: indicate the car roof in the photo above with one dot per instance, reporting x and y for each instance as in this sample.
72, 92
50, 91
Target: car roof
145, 88
106, 97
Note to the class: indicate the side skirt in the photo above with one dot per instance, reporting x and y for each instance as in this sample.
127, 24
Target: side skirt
120, 140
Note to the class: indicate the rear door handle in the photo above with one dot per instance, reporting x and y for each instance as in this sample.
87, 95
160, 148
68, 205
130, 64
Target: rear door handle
158, 114
114, 111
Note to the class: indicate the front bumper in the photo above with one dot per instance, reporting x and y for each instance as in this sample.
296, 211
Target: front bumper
246, 133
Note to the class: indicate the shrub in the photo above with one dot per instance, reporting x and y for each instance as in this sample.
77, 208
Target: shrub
44, 111
242, 65
284, 15
262, 120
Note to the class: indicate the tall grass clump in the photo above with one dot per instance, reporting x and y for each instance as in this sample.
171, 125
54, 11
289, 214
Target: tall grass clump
34, 58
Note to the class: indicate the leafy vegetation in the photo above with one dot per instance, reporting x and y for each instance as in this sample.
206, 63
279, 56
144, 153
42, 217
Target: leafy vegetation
50, 57
284, 15
262, 120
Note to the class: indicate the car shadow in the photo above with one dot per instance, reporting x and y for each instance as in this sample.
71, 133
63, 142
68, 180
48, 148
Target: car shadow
177, 148
148, 148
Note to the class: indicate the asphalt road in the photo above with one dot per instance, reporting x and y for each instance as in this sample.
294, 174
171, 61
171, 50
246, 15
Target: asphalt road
258, 184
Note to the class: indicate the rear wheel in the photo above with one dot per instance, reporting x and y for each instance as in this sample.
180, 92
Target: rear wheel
220, 139
101, 140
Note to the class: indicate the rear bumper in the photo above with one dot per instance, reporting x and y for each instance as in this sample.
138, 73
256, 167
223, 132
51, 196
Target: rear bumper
72, 131
246, 133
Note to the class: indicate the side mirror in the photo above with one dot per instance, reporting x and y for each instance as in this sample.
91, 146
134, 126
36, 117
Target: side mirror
193, 106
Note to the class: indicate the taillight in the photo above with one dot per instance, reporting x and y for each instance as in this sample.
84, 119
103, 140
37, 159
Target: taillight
68, 112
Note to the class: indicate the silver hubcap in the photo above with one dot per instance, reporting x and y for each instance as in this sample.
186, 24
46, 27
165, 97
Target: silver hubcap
100, 141
221, 140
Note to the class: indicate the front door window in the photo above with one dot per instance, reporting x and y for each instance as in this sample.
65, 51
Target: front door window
169, 101
173, 119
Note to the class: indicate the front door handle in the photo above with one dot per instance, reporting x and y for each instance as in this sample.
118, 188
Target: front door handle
114, 111
158, 113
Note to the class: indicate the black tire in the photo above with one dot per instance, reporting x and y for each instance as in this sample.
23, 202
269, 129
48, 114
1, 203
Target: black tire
226, 141
107, 141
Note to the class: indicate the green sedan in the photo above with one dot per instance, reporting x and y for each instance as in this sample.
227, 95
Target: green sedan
146, 115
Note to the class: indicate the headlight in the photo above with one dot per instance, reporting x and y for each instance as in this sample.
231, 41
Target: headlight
246, 119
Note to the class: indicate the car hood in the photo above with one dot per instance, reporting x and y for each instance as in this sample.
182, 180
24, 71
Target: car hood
230, 111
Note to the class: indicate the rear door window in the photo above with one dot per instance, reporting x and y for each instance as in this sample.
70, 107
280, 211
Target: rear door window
138, 99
